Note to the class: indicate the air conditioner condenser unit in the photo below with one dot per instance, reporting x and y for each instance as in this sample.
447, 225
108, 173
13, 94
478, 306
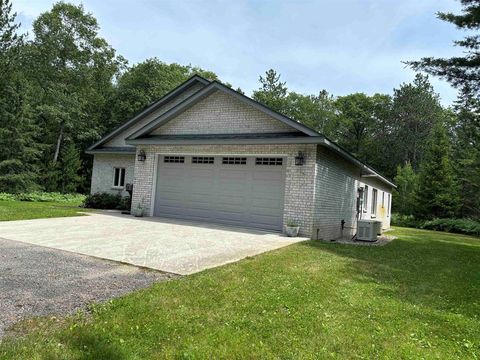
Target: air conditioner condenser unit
367, 230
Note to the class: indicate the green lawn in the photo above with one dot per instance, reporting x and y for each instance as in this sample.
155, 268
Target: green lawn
23, 210
415, 298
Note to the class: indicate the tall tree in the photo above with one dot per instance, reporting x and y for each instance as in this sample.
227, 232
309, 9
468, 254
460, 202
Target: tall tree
404, 195
73, 69
316, 111
437, 185
19, 149
356, 113
272, 92
416, 108
467, 153
70, 166
460, 71
463, 72
145, 83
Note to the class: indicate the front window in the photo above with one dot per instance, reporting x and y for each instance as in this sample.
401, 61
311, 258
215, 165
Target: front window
374, 202
118, 177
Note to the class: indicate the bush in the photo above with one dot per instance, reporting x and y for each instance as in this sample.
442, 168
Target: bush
459, 226
405, 221
106, 201
44, 197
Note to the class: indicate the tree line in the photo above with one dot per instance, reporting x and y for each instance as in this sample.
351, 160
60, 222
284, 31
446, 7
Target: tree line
64, 87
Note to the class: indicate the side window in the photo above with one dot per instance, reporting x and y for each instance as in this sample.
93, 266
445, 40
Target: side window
383, 199
389, 204
118, 177
365, 199
374, 202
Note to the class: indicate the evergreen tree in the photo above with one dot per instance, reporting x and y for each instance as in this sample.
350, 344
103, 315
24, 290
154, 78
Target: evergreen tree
467, 153
461, 71
404, 195
415, 110
19, 150
272, 92
70, 166
437, 194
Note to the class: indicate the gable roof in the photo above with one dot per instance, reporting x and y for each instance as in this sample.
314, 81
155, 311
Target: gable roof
195, 79
207, 91
305, 135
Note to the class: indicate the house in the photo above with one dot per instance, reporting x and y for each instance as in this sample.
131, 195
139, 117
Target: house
206, 152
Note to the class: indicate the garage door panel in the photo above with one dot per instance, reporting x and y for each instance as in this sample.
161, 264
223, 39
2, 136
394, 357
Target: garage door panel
228, 200
264, 204
267, 175
237, 194
266, 190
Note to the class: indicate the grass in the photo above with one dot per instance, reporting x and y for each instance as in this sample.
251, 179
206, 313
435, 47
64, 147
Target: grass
23, 210
415, 298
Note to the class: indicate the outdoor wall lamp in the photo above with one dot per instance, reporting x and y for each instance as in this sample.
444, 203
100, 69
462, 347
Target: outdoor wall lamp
299, 159
141, 156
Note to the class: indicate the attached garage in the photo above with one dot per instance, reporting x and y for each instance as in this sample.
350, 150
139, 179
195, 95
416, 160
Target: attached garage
208, 153
228, 189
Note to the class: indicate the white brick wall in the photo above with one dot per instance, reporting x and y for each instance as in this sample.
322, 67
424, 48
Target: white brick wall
102, 172
337, 181
221, 113
299, 182
318, 194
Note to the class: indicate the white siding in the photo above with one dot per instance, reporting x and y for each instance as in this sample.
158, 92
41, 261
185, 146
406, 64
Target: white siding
337, 183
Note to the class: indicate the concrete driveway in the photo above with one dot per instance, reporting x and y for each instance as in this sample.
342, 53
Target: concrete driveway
175, 246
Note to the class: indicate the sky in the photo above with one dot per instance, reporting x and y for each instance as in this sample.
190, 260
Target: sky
342, 46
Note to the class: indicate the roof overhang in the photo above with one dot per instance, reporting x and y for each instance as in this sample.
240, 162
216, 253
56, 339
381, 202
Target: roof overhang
159, 140
204, 93
112, 150
196, 79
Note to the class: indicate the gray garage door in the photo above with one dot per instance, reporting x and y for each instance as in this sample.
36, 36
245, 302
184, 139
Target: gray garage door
237, 190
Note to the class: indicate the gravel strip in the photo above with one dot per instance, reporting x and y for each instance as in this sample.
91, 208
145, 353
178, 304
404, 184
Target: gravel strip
381, 240
38, 281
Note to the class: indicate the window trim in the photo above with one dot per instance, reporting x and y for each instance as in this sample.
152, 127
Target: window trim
373, 209
199, 160
120, 171
268, 161
174, 159
234, 160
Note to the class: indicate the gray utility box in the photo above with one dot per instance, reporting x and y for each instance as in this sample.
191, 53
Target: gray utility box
367, 230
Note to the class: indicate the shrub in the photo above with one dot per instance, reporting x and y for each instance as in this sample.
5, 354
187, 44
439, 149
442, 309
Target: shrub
460, 226
405, 221
106, 201
44, 197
